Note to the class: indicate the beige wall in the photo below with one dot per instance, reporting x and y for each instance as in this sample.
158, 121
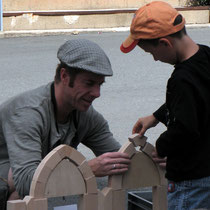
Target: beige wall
33, 22
30, 21
31, 5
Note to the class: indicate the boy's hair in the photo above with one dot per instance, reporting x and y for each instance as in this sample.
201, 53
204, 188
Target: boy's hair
72, 72
178, 34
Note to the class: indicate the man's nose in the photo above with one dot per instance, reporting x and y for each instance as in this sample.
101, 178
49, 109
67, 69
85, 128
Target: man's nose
96, 91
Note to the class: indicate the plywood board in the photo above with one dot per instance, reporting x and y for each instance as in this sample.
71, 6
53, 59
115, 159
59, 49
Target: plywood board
16, 205
105, 199
118, 200
88, 202
142, 173
85, 170
159, 198
115, 181
65, 180
91, 185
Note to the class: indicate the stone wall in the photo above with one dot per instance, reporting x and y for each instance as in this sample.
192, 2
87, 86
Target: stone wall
83, 14
37, 5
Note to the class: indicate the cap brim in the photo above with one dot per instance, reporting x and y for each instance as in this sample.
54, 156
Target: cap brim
128, 45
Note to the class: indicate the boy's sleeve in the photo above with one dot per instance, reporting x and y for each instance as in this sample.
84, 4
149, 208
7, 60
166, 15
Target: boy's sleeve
183, 124
160, 114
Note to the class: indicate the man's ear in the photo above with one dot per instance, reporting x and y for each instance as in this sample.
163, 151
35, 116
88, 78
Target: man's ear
64, 76
165, 41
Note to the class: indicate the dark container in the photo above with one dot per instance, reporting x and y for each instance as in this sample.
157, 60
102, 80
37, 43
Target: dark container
140, 200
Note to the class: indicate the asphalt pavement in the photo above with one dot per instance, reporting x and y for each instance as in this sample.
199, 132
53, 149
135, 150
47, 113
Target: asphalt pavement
137, 88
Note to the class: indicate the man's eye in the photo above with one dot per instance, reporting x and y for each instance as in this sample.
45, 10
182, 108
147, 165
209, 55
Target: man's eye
89, 83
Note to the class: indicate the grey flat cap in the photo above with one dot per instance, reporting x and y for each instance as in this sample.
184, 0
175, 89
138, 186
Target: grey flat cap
86, 55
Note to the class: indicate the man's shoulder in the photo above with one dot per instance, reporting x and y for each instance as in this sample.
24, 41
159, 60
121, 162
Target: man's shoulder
28, 99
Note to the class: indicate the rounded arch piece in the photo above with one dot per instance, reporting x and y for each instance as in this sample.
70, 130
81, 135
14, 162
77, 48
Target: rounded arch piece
142, 173
60, 174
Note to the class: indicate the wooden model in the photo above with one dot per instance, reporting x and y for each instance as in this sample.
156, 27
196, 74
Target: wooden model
65, 171
143, 172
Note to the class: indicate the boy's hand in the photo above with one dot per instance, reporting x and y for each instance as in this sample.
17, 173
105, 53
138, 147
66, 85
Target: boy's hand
143, 124
159, 160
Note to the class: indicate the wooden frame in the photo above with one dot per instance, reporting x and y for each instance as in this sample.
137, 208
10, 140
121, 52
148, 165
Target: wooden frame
65, 171
143, 172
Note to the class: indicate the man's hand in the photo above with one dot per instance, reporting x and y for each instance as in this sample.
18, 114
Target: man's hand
109, 163
159, 160
143, 124
12, 191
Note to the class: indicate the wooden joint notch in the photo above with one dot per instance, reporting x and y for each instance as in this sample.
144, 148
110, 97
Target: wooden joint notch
148, 149
137, 140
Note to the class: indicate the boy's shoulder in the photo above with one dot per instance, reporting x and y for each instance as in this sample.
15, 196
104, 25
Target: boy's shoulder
200, 59
195, 68
206, 50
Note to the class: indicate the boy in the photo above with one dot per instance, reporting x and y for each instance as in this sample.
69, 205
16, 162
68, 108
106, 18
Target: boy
159, 29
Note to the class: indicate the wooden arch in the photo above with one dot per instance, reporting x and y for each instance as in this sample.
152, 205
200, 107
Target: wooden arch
143, 172
64, 171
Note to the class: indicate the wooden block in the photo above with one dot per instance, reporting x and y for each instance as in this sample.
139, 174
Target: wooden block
40, 204
128, 148
42, 174
61, 150
75, 156
64, 180
37, 189
148, 149
85, 170
51, 160
115, 182
159, 198
60, 147
67, 151
36, 204
91, 185
88, 202
118, 200
163, 180
29, 202
142, 173
137, 140
105, 199
16, 205
106, 191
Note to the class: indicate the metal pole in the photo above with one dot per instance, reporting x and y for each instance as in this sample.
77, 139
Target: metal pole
1, 16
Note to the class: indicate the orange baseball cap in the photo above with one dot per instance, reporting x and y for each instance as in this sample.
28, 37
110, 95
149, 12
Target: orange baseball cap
154, 20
